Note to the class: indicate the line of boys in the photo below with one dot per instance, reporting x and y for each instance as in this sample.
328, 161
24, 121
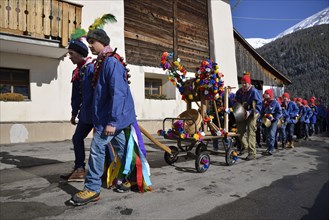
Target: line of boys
284, 118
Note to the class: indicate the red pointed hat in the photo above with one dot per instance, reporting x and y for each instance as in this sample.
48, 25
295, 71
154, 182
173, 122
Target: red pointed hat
246, 78
286, 95
269, 92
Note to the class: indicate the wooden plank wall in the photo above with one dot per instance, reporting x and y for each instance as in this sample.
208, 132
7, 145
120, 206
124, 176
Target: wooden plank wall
150, 30
193, 32
247, 63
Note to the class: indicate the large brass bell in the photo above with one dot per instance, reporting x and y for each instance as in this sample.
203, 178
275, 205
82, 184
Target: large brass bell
267, 122
239, 112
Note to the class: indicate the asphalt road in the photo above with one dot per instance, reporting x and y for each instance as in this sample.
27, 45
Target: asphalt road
292, 184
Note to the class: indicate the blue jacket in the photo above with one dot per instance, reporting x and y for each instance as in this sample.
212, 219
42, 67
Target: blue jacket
314, 109
290, 112
306, 114
322, 111
82, 93
248, 97
113, 103
273, 108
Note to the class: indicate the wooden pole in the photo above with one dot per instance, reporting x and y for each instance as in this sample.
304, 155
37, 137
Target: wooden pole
216, 111
225, 107
155, 141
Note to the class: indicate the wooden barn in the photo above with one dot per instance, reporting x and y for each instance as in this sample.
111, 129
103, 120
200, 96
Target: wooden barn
263, 74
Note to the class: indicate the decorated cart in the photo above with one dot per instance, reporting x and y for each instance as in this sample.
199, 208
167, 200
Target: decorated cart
194, 129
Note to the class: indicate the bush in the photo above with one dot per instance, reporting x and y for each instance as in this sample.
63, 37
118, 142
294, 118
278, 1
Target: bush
11, 97
148, 96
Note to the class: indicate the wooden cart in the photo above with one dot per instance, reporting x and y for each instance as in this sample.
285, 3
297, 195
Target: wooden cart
186, 145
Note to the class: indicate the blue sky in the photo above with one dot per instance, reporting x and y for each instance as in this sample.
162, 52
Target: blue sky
268, 18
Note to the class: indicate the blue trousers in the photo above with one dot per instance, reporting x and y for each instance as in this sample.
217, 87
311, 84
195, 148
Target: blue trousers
290, 129
81, 132
98, 148
271, 135
282, 134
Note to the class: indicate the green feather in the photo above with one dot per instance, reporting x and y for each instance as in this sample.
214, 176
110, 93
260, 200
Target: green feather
100, 22
78, 33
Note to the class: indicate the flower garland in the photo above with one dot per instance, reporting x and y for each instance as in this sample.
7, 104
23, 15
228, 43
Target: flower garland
176, 72
209, 80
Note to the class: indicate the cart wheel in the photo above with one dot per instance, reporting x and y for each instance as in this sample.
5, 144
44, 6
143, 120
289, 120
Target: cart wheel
202, 162
171, 158
201, 147
231, 157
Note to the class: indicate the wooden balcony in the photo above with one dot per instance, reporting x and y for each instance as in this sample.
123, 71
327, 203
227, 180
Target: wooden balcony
40, 19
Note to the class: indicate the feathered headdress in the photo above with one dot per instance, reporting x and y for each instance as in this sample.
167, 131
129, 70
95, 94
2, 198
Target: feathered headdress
98, 24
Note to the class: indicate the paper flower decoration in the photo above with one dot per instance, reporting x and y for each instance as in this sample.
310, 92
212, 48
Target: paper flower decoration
176, 72
209, 80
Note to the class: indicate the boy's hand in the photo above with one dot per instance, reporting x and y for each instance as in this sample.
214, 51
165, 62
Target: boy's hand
109, 130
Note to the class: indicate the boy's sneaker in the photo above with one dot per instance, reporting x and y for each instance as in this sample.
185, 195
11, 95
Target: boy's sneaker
84, 197
123, 187
78, 175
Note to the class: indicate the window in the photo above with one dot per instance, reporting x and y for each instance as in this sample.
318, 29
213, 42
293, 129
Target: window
15, 81
153, 88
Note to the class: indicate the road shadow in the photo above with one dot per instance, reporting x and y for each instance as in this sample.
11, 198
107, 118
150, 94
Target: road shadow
36, 166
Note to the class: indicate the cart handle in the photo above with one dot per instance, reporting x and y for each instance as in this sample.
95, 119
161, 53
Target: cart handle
155, 141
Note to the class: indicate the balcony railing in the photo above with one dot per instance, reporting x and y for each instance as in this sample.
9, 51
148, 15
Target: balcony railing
45, 19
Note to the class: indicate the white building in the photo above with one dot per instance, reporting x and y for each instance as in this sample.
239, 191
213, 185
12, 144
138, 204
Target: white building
36, 66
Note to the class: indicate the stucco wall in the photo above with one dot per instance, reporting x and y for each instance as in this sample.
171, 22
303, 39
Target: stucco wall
50, 89
222, 41
46, 116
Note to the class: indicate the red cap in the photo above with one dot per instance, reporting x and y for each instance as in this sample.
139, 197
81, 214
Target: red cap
311, 100
305, 102
286, 95
269, 92
299, 100
246, 78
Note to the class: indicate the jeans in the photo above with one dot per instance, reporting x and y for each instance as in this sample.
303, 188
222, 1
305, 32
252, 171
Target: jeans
282, 134
290, 129
81, 132
312, 129
306, 130
96, 161
271, 135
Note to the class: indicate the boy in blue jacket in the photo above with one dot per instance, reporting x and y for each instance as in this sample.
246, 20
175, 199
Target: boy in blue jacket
306, 114
290, 114
313, 118
113, 111
81, 103
251, 99
272, 111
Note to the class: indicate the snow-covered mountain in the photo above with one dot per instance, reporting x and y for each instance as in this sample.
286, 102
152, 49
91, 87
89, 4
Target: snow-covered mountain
319, 18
